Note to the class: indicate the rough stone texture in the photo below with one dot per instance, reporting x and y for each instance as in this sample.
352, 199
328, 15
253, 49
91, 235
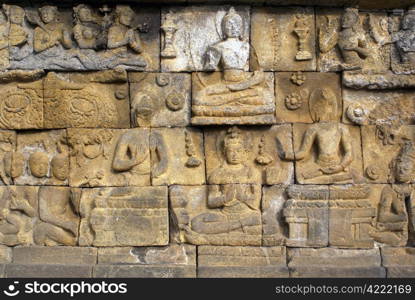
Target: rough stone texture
125, 216
177, 156
197, 28
391, 144
47, 271
54, 255
399, 262
363, 107
5, 254
222, 261
109, 157
170, 261
274, 231
46, 158
332, 262
95, 99
160, 99
283, 39
248, 155
339, 31
293, 91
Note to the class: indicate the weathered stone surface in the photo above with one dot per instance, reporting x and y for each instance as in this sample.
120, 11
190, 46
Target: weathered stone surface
232, 155
378, 107
170, 261
327, 152
197, 30
216, 214
45, 158
283, 39
332, 262
19, 213
54, 255
274, 230
399, 262
94, 99
393, 145
138, 271
109, 157
58, 217
82, 38
11, 161
222, 261
378, 81
294, 91
21, 101
160, 99
307, 215
125, 216
173, 254
47, 271
5, 254
177, 156
233, 97
352, 41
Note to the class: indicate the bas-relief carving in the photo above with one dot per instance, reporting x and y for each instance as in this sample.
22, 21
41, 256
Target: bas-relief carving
327, 151
352, 41
85, 38
295, 90
160, 99
109, 157
10, 160
94, 99
45, 216
124, 216
283, 39
21, 104
204, 35
45, 158
247, 155
226, 214
393, 145
231, 96
177, 156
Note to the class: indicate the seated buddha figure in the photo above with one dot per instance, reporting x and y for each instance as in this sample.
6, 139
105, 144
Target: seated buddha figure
405, 38
231, 209
238, 93
327, 143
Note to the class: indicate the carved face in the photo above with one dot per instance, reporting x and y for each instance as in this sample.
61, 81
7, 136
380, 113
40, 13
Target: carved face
232, 27
125, 18
48, 14
60, 167
17, 15
16, 168
234, 153
85, 14
39, 164
349, 19
408, 22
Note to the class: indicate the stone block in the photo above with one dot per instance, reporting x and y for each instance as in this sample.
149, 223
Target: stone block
283, 39
399, 262
37, 255
177, 156
90, 100
294, 90
274, 228
332, 262
124, 216
140, 271
47, 271
160, 99
5, 254
222, 261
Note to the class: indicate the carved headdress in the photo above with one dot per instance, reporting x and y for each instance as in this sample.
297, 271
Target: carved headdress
233, 137
232, 17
